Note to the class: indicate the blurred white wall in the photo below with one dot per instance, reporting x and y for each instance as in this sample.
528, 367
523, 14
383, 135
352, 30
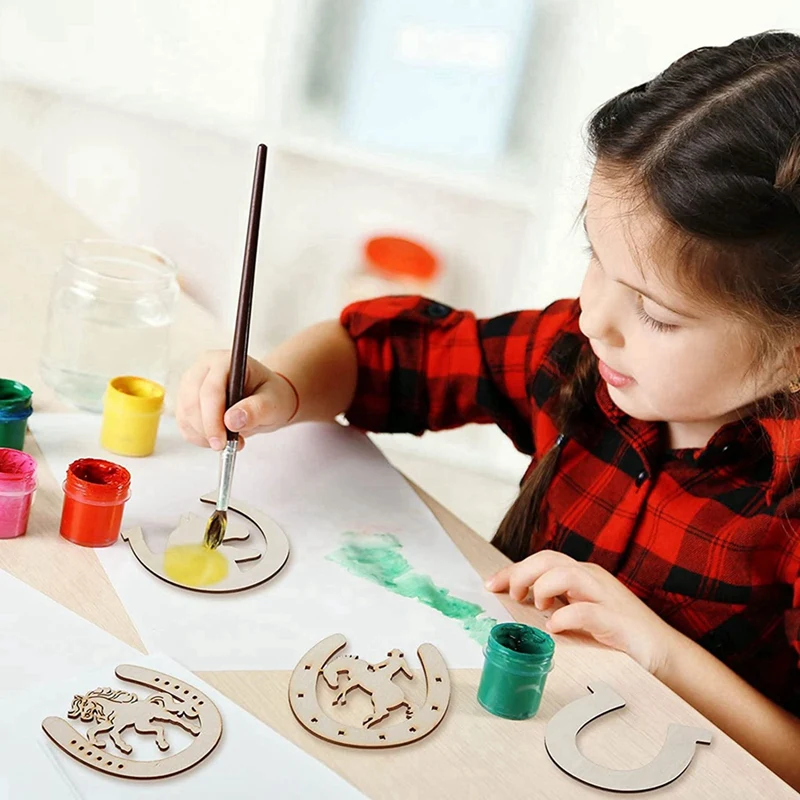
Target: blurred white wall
609, 46
145, 115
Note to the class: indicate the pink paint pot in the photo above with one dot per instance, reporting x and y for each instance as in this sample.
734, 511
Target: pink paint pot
17, 485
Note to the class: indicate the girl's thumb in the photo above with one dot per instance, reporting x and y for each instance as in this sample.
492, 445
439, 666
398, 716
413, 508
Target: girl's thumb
237, 417
246, 414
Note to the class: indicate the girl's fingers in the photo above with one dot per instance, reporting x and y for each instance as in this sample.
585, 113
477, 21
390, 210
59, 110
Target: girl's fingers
187, 407
200, 408
212, 406
518, 578
592, 618
574, 581
499, 581
191, 435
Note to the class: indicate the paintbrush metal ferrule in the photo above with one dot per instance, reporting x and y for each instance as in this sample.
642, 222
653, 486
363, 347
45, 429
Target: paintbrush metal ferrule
226, 465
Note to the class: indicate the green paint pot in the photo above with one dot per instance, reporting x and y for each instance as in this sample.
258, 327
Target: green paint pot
518, 659
15, 408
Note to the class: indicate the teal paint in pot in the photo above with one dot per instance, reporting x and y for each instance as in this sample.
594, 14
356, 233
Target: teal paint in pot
518, 659
15, 408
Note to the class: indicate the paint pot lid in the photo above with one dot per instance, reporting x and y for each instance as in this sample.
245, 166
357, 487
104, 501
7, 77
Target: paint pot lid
401, 257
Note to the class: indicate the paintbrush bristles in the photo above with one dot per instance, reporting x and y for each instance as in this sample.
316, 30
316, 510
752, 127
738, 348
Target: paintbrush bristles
215, 529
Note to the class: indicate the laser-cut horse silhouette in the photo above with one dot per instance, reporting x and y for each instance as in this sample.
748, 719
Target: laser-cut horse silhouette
375, 680
114, 711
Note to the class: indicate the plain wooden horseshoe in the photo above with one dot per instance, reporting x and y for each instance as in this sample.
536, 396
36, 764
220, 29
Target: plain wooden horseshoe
563, 729
199, 705
266, 566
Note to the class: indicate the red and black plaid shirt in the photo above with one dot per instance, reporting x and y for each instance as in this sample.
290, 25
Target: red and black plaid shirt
708, 538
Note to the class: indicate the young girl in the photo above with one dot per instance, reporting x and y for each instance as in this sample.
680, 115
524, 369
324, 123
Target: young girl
659, 408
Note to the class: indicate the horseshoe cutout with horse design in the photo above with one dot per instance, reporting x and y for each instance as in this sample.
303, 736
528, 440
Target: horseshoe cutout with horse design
344, 674
112, 712
266, 563
671, 762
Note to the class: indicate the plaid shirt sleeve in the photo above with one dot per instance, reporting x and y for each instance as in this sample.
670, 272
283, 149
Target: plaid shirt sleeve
425, 366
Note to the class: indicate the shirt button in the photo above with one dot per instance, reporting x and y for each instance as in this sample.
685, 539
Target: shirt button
437, 310
729, 453
641, 478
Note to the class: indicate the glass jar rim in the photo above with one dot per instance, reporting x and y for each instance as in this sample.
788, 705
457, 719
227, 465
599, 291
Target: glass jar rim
82, 252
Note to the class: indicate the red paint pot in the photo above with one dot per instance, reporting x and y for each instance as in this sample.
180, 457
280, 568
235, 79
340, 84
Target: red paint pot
17, 485
95, 493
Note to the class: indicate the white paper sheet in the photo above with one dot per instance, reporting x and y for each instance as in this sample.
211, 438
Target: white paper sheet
317, 482
40, 639
30, 769
251, 760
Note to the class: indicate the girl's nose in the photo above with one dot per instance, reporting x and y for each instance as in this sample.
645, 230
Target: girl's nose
599, 319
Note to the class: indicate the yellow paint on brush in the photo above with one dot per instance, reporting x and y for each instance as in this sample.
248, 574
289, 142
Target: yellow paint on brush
195, 565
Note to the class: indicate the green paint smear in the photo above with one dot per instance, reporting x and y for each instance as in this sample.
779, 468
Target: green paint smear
378, 558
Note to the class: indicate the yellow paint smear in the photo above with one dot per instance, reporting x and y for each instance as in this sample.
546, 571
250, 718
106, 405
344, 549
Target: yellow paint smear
195, 565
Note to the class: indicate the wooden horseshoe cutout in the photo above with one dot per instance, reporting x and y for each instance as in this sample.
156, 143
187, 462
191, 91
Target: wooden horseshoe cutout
563, 729
190, 531
110, 713
345, 673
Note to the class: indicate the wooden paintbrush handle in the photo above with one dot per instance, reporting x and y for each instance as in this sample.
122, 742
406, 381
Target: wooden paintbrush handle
241, 335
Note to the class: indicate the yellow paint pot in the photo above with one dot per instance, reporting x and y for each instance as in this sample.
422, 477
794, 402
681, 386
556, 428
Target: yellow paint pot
131, 413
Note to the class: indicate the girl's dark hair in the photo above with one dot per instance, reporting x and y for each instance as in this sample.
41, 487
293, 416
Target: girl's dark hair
712, 147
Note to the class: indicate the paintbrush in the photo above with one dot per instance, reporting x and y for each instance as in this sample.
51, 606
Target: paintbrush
218, 522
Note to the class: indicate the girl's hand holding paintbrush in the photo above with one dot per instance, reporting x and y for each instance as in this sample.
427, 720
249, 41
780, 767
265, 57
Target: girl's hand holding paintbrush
313, 377
270, 402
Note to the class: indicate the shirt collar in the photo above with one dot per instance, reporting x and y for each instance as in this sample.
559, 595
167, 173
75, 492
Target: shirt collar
784, 440
780, 437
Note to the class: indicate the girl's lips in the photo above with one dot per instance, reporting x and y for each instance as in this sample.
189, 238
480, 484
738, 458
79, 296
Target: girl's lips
612, 377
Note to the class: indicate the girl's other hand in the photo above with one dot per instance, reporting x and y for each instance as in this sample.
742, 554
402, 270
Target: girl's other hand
596, 604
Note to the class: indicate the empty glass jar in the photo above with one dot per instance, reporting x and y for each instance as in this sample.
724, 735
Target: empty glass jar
111, 313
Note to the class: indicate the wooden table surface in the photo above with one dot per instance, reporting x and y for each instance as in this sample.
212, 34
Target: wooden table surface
472, 754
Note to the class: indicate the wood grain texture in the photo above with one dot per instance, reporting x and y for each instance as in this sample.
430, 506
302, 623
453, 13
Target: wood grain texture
472, 753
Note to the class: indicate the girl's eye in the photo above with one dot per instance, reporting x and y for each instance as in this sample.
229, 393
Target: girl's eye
661, 327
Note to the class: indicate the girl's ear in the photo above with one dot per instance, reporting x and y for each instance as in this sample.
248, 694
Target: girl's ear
793, 369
